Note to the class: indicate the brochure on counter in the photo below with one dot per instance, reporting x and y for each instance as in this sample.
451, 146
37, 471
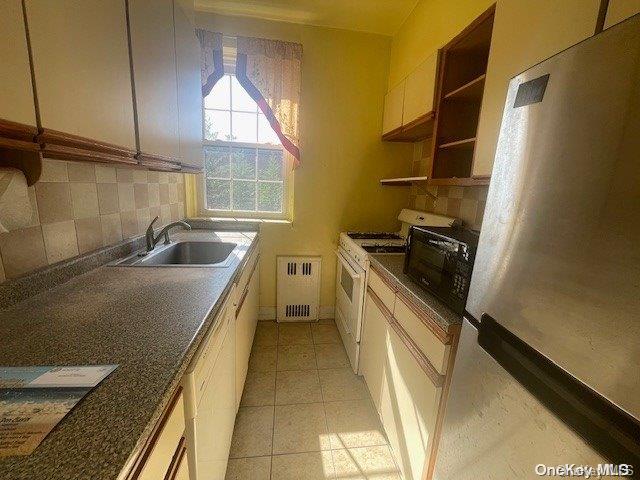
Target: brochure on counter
34, 399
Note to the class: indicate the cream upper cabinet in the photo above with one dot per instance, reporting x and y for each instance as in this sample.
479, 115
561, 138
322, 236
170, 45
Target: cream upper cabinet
16, 94
419, 90
189, 86
523, 36
619, 10
154, 74
81, 67
393, 104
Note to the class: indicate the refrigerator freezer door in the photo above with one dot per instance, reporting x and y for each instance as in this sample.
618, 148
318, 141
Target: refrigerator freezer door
495, 429
558, 260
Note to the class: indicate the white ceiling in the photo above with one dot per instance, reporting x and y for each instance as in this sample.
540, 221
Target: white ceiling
375, 16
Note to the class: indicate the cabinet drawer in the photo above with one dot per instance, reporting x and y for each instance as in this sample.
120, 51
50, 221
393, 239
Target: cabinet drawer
165, 444
382, 290
428, 343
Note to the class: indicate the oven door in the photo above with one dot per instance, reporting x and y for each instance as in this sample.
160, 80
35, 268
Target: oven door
350, 279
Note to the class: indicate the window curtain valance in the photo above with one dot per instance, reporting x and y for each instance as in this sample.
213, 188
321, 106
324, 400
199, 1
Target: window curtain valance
271, 72
211, 60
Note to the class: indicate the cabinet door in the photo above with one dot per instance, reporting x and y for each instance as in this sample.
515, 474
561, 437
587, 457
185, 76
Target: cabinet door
246, 322
373, 349
217, 411
189, 88
16, 94
154, 74
523, 36
619, 10
393, 104
81, 66
408, 408
419, 90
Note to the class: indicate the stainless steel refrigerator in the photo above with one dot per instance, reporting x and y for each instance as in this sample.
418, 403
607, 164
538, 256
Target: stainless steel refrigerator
548, 366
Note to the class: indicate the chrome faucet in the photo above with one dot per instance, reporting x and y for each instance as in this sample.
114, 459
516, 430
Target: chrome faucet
153, 241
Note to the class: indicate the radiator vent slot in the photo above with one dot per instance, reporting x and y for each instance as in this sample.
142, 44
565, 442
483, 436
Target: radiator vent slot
298, 311
298, 288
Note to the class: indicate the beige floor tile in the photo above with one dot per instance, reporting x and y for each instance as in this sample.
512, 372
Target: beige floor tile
294, 334
354, 423
325, 334
266, 334
254, 468
253, 432
300, 428
263, 358
331, 355
303, 466
259, 389
326, 321
367, 463
296, 357
298, 386
341, 384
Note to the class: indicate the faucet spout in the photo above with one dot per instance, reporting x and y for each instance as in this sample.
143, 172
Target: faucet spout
152, 240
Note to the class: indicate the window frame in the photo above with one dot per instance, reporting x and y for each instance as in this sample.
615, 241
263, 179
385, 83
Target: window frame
287, 174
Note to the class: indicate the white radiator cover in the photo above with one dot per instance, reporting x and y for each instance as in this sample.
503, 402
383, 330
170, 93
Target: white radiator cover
298, 288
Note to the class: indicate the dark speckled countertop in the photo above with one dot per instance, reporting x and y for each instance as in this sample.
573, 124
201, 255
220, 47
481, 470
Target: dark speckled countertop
148, 320
391, 266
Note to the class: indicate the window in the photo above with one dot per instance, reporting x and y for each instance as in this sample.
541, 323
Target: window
244, 160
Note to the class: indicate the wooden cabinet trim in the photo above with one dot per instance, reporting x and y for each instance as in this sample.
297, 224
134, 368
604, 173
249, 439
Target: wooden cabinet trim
143, 455
436, 378
65, 146
158, 162
18, 131
177, 459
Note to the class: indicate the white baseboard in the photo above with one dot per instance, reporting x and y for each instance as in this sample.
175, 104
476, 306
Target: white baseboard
269, 313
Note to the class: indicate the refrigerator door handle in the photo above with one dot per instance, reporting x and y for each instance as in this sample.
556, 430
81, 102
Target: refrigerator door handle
606, 428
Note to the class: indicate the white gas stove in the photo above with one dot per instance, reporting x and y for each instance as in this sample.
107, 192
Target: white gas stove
353, 269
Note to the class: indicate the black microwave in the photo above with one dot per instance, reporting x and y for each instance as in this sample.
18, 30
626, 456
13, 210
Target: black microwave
440, 259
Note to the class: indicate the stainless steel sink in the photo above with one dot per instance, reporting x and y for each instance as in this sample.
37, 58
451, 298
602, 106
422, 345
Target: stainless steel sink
202, 254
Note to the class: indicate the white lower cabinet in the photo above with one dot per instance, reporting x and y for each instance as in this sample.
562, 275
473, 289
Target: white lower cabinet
406, 398
246, 322
408, 408
210, 399
373, 349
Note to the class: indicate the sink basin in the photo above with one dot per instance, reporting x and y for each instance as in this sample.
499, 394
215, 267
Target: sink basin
204, 254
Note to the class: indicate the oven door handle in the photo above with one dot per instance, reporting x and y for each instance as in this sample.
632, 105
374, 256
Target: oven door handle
347, 266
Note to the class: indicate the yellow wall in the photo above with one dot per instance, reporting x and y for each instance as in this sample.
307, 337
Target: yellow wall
336, 188
430, 26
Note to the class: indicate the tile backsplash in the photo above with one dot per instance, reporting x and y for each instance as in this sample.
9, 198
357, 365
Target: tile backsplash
465, 203
80, 207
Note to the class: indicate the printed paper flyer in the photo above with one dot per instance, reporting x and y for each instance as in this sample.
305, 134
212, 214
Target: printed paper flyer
34, 399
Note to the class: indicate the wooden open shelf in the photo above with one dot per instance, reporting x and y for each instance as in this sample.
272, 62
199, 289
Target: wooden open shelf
469, 91
460, 182
461, 82
403, 182
465, 143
